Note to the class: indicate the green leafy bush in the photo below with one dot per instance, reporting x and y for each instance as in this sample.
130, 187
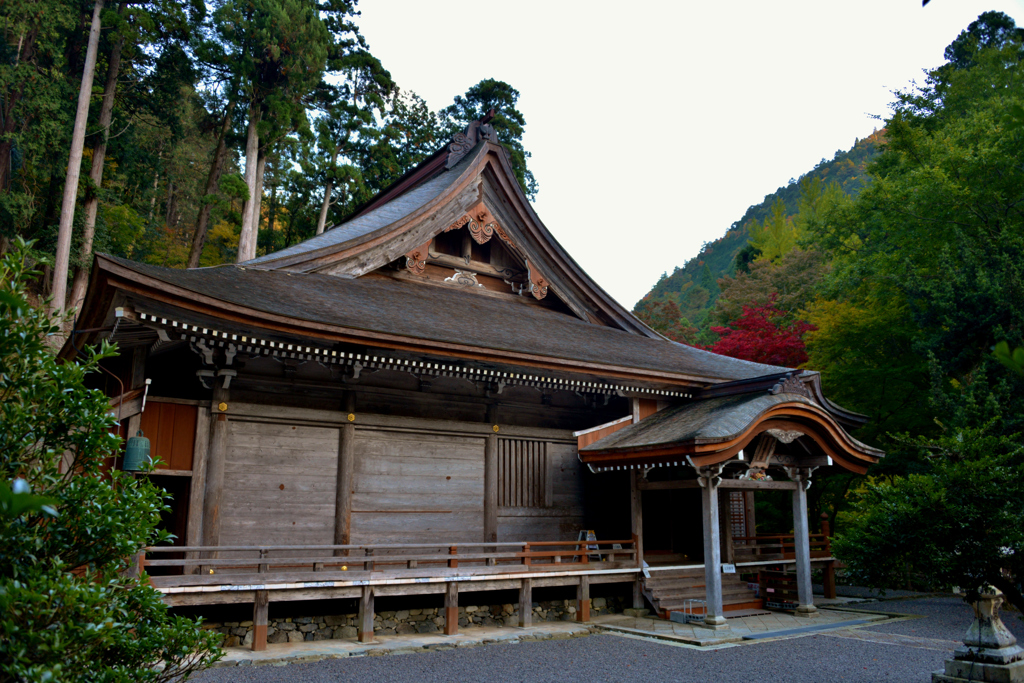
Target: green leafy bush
959, 525
69, 608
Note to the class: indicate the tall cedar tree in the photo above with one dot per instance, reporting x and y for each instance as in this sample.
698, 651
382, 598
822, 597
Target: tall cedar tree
508, 123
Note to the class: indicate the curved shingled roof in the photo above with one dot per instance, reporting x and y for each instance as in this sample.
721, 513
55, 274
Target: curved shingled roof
366, 225
418, 312
713, 430
712, 420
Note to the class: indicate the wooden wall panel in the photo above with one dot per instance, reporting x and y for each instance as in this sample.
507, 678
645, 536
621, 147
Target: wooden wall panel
556, 526
279, 484
171, 430
566, 473
413, 487
559, 515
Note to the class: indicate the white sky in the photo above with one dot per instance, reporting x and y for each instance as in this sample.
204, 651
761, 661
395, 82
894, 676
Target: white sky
654, 125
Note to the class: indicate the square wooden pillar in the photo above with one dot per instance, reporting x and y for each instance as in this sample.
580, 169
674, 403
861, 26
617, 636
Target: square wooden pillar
451, 609
525, 602
365, 628
583, 600
260, 608
636, 517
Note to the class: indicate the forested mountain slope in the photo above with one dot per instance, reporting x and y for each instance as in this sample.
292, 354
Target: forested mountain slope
693, 287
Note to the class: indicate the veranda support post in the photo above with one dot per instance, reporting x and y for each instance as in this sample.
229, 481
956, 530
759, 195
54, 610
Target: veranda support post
802, 542
714, 613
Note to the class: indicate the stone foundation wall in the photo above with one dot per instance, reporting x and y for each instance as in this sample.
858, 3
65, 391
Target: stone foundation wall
429, 620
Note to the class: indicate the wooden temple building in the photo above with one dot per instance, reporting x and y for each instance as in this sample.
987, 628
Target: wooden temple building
434, 398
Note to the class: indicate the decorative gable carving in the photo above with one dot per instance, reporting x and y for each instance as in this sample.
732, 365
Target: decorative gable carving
416, 260
482, 226
482, 229
458, 224
463, 279
538, 284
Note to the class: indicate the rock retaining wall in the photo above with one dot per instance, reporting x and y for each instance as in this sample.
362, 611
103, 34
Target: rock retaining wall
429, 620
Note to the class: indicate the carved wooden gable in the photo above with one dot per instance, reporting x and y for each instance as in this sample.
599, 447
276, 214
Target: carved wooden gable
459, 219
476, 246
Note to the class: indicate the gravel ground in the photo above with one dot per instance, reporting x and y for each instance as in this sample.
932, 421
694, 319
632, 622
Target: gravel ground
811, 659
612, 658
862, 592
945, 618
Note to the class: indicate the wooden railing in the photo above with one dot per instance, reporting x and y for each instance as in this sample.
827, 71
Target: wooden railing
779, 547
283, 562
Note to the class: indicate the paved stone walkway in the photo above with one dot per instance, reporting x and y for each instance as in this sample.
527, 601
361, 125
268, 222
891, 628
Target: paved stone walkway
762, 624
894, 639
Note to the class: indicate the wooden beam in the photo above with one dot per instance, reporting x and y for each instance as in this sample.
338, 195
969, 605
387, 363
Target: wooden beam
366, 615
138, 378
451, 609
583, 600
240, 597
525, 602
295, 415
259, 620
197, 487
491, 480
215, 468
636, 516
742, 484
345, 482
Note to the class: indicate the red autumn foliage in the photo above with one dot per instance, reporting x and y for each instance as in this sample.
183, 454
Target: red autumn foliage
758, 335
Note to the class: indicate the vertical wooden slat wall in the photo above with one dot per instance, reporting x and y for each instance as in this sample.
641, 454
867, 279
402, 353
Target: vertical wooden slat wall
522, 473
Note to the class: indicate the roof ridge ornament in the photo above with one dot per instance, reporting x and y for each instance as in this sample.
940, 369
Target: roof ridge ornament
791, 385
462, 143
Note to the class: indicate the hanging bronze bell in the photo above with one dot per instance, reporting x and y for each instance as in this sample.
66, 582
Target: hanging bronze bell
136, 455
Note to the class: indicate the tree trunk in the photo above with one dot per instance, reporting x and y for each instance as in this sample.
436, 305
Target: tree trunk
171, 211
328, 188
247, 238
257, 205
272, 209
67, 209
99, 152
203, 219
322, 221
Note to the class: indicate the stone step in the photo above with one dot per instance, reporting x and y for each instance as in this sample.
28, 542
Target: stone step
677, 605
660, 586
699, 592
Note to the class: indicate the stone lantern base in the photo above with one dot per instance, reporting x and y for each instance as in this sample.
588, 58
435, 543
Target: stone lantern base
990, 653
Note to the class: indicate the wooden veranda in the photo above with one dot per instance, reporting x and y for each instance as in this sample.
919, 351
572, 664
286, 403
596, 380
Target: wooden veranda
273, 573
